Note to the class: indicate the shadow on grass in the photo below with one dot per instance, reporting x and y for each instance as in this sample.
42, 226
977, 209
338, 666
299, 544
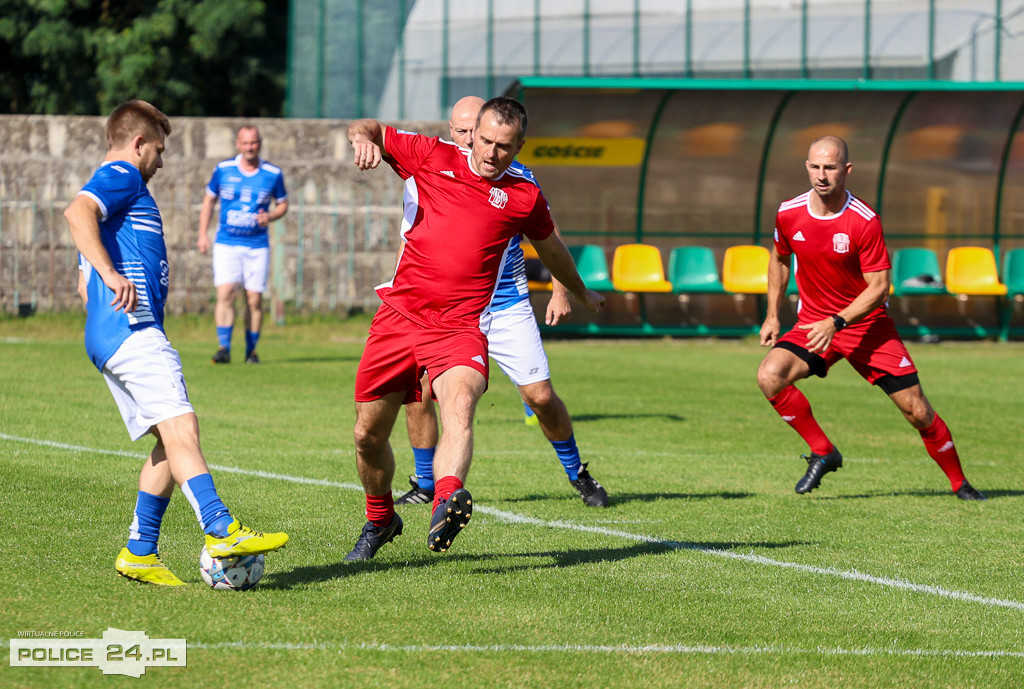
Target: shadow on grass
491, 563
945, 494
621, 498
604, 417
311, 360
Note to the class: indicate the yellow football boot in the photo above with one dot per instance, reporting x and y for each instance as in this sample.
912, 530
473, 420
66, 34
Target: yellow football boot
241, 540
148, 569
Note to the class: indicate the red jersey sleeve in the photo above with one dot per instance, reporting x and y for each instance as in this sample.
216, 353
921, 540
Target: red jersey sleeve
874, 256
781, 242
538, 223
406, 151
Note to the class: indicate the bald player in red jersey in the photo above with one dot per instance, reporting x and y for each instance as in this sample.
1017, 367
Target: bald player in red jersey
470, 206
843, 278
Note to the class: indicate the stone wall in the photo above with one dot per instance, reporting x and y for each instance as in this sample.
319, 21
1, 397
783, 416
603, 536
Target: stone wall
338, 240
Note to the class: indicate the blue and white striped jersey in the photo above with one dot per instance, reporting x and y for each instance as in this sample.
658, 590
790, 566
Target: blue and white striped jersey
132, 233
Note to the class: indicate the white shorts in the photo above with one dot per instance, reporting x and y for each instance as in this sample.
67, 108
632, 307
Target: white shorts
144, 376
243, 265
513, 341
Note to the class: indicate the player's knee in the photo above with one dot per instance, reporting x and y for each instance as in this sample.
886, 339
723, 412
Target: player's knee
368, 437
770, 378
540, 397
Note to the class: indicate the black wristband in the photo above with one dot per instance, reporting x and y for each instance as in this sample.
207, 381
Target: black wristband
839, 322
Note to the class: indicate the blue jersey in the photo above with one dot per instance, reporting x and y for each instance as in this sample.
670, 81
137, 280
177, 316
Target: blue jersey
512, 284
242, 196
133, 235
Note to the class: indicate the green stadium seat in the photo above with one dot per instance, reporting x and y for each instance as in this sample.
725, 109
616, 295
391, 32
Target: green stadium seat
593, 267
1013, 278
692, 270
916, 271
791, 288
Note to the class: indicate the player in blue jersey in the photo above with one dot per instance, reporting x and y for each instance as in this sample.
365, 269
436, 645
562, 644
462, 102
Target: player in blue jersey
513, 340
246, 185
117, 228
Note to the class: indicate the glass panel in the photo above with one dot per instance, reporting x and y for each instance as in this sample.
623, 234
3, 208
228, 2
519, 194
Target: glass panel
586, 148
940, 184
704, 164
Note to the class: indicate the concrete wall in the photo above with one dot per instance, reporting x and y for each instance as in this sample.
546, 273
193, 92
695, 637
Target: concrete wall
338, 240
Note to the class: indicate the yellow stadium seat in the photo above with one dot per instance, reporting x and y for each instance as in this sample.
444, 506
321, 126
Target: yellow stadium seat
638, 268
971, 270
745, 269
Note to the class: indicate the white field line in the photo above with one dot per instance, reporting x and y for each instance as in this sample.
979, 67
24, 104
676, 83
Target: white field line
511, 517
667, 649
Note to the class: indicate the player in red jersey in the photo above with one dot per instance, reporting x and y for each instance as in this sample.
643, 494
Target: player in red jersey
843, 277
470, 206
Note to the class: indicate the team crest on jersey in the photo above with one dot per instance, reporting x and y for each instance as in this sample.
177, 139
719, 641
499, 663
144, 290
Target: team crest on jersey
841, 243
498, 198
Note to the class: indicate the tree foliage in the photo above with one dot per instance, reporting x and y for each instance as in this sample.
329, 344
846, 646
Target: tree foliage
187, 57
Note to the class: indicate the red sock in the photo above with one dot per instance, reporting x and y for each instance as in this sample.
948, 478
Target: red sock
380, 509
445, 486
795, 410
939, 443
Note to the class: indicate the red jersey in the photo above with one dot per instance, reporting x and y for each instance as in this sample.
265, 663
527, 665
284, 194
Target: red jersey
832, 254
455, 248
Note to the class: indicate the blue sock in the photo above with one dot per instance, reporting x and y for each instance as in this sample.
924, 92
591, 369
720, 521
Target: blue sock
224, 337
424, 459
569, 456
145, 528
529, 412
251, 339
213, 516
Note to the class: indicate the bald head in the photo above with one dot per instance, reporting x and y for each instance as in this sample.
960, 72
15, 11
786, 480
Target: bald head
832, 144
463, 120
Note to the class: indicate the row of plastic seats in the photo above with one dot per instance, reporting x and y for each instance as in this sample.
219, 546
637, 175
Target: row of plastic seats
970, 270
691, 269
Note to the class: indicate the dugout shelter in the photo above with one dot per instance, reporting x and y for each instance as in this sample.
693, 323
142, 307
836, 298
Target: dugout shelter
704, 164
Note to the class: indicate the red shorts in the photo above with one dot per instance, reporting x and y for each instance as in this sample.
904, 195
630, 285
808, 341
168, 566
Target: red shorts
873, 348
398, 351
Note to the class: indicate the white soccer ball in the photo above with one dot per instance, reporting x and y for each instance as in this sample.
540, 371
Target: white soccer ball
231, 573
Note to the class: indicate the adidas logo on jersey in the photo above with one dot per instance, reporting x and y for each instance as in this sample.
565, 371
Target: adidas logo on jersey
448, 172
799, 237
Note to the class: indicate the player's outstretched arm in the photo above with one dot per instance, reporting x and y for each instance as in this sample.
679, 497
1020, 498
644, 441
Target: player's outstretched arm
83, 216
555, 255
367, 139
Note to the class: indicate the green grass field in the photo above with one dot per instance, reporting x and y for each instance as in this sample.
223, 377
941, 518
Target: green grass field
705, 570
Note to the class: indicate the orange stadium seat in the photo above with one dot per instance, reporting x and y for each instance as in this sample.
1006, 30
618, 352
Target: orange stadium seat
533, 261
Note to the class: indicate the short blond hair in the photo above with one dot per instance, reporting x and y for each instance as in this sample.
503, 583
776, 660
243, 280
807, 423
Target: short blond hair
135, 118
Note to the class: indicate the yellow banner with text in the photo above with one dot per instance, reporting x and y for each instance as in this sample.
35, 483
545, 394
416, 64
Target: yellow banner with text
579, 151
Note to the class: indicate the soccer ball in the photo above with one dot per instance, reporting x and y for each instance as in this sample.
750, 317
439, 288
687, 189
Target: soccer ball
231, 573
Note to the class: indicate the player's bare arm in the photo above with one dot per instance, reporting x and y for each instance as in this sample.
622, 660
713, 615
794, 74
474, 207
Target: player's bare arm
83, 216
820, 333
205, 213
555, 255
367, 139
559, 309
778, 278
